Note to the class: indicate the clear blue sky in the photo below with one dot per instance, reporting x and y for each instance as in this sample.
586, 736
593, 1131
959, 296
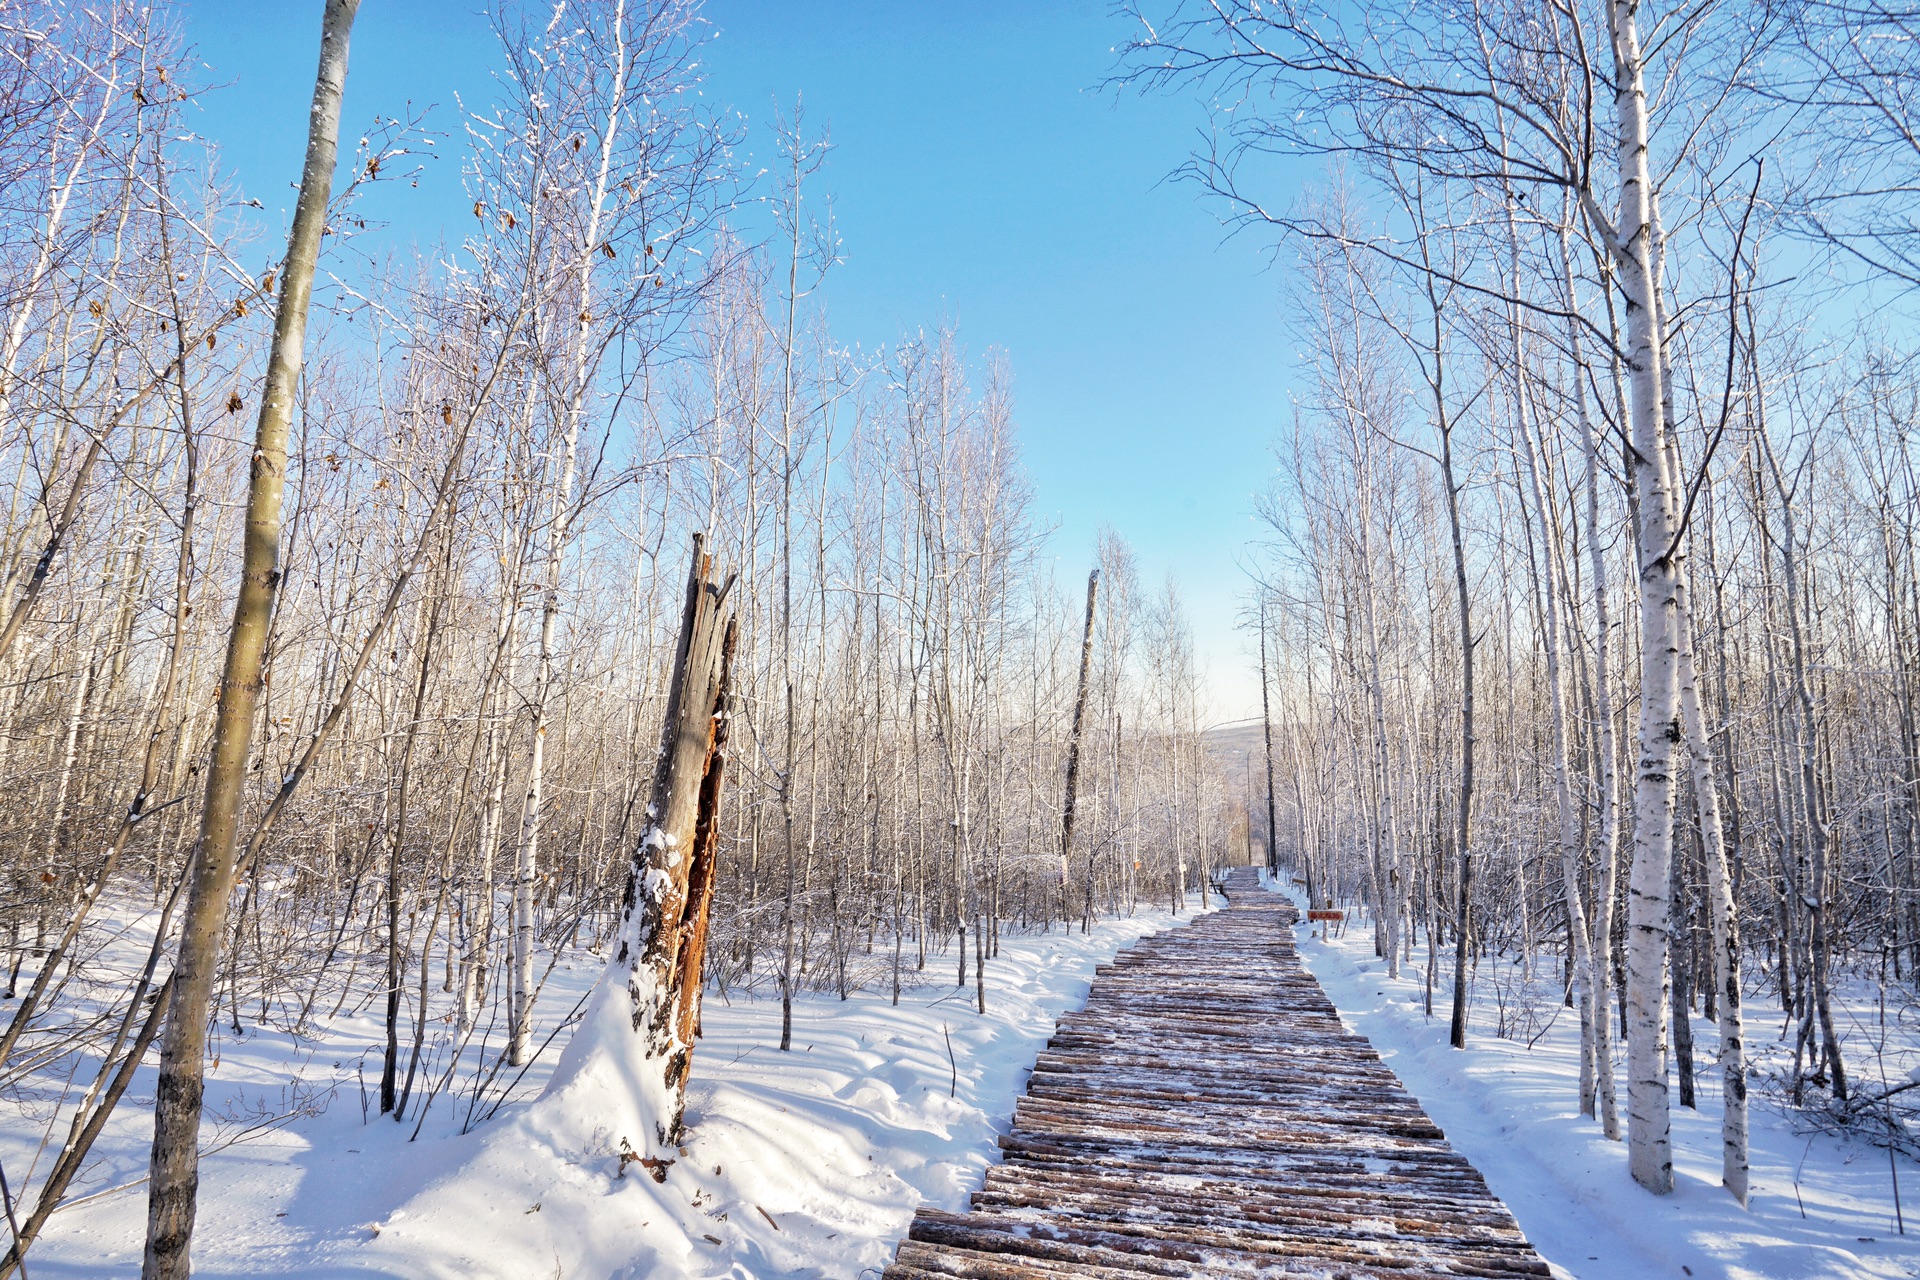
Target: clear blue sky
979, 175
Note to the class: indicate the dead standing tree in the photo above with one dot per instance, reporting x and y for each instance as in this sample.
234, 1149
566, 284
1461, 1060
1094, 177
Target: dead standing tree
652, 984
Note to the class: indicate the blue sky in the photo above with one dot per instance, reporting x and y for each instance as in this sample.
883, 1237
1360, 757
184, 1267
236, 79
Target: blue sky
978, 175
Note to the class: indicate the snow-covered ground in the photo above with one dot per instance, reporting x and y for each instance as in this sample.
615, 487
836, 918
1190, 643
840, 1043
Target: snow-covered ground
804, 1164
1821, 1207
810, 1163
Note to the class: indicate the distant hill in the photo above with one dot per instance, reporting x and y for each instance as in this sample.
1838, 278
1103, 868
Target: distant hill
1234, 744
1241, 753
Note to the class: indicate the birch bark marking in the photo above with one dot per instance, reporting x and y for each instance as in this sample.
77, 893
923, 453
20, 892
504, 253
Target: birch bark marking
1726, 925
1073, 743
1649, 1129
174, 1174
663, 924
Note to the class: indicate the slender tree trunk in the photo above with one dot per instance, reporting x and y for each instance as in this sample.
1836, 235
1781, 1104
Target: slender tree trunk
174, 1173
1073, 746
1605, 748
1724, 915
1266, 729
1813, 802
1463, 818
1578, 924
396, 849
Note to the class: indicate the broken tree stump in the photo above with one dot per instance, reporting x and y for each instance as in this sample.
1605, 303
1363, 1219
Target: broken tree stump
654, 972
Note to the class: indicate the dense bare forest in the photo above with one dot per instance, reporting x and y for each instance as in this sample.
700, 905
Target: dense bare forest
348, 650
495, 453
1589, 590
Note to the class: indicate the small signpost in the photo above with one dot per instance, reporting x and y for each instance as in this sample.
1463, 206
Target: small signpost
1326, 919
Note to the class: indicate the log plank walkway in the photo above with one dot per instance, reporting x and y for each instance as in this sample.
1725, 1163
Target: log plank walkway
1206, 1114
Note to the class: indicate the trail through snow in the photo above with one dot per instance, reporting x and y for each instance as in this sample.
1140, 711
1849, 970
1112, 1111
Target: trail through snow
802, 1164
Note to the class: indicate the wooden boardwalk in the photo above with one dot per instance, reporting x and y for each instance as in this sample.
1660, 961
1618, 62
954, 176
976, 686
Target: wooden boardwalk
1207, 1115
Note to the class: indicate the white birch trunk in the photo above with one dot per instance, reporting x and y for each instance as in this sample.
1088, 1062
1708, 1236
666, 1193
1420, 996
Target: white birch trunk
1725, 913
1649, 1127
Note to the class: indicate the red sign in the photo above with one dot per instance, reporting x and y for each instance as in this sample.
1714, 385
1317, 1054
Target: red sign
1327, 915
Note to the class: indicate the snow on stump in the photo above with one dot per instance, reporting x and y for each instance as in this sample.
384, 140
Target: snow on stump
635, 1040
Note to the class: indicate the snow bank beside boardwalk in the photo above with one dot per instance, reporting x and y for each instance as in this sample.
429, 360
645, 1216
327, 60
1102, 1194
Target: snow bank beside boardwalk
804, 1164
1514, 1113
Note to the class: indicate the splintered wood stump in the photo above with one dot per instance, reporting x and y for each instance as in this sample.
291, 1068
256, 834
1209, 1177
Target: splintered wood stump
1206, 1114
663, 924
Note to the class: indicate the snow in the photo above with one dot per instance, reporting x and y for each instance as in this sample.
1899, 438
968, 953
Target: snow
1821, 1207
803, 1164
811, 1163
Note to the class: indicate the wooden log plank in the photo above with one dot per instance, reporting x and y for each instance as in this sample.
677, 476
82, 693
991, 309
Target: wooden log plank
1212, 1247
1205, 1113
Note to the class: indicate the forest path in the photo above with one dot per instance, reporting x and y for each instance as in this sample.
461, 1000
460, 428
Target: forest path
1206, 1114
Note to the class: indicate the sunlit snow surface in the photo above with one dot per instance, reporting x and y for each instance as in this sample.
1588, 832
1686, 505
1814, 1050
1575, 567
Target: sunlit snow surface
1513, 1112
840, 1140
836, 1142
